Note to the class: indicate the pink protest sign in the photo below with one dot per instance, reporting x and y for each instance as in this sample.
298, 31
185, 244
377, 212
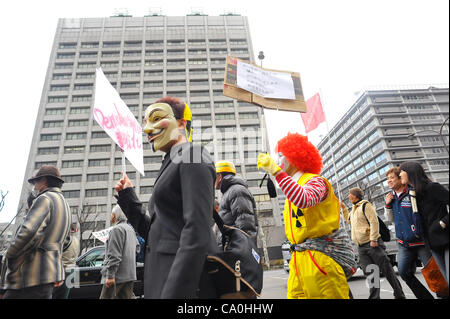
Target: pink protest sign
116, 119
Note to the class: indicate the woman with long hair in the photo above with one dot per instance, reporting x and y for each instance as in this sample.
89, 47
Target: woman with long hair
432, 203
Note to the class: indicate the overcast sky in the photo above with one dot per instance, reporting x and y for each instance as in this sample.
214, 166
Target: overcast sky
338, 47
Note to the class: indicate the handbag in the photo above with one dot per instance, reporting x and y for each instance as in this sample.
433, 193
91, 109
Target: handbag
434, 278
236, 270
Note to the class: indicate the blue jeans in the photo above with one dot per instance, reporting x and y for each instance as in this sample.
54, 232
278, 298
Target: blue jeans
407, 257
441, 258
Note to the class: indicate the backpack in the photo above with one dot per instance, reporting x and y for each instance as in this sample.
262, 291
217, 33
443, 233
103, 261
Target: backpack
384, 231
140, 251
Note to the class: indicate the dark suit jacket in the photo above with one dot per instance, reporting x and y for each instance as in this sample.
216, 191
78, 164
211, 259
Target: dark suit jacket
178, 228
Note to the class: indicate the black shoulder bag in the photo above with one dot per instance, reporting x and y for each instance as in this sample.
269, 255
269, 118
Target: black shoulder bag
236, 271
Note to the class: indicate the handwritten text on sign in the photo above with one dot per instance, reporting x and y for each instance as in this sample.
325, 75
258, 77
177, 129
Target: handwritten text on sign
113, 115
268, 84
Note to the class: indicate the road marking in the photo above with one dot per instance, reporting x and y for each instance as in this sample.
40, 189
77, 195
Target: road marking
391, 291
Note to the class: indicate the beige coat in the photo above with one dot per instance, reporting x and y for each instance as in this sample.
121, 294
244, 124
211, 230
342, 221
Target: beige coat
362, 231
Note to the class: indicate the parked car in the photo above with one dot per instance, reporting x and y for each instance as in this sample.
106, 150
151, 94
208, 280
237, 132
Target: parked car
88, 276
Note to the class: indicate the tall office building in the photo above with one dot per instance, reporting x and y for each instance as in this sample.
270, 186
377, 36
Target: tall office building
382, 129
145, 58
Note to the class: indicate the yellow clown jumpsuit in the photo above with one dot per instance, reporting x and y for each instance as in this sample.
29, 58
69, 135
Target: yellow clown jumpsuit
314, 275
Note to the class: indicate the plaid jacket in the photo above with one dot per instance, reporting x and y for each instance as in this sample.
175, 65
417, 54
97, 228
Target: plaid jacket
34, 257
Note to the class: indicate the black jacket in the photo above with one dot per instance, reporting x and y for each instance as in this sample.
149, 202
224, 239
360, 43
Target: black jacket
432, 204
237, 207
178, 228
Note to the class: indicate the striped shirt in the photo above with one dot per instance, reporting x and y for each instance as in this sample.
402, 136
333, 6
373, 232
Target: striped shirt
309, 195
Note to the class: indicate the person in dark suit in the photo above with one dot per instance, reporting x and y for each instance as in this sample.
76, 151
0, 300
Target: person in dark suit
178, 228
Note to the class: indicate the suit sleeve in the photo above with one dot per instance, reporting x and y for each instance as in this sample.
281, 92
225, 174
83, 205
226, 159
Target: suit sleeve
132, 208
35, 220
197, 187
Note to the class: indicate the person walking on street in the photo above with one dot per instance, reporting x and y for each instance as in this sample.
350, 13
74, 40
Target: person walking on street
410, 243
371, 249
432, 205
177, 230
34, 263
119, 266
237, 207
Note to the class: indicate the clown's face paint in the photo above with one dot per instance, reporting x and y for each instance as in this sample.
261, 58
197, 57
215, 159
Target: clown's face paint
282, 161
160, 125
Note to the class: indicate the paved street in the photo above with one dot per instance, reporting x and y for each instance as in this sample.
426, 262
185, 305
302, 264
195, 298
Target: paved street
275, 285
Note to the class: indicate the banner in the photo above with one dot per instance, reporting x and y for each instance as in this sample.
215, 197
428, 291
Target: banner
270, 84
314, 114
116, 119
102, 235
259, 79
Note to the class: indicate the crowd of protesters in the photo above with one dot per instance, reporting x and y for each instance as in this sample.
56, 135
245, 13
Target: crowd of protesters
179, 233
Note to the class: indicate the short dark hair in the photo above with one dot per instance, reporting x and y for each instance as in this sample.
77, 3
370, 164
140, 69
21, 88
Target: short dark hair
53, 182
176, 104
358, 192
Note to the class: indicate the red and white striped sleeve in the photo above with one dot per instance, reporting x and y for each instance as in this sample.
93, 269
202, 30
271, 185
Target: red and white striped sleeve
309, 195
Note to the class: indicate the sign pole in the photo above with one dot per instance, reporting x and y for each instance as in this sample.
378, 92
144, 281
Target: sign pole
264, 149
124, 167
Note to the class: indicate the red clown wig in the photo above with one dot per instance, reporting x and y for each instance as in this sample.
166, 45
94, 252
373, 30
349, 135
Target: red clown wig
300, 153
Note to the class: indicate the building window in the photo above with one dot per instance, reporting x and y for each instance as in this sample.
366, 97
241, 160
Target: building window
72, 164
71, 178
79, 110
100, 148
59, 66
48, 150
99, 162
65, 76
73, 149
99, 135
78, 123
40, 164
81, 98
57, 99
70, 45
71, 194
50, 137
75, 136
380, 158
96, 192
48, 124
97, 177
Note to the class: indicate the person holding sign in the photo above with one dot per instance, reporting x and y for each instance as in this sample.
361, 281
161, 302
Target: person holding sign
322, 257
178, 228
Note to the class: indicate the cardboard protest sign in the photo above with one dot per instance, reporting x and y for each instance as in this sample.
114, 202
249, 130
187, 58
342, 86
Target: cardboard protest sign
268, 88
113, 115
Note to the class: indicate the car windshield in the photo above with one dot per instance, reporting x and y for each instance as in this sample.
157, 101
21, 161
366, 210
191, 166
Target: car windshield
94, 258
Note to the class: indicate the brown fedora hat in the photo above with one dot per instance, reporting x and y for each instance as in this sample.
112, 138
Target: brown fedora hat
46, 170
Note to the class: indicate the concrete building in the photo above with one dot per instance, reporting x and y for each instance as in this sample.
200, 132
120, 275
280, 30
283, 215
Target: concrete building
382, 129
145, 58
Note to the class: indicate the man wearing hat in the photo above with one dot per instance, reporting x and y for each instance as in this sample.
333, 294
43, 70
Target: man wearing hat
34, 263
237, 207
